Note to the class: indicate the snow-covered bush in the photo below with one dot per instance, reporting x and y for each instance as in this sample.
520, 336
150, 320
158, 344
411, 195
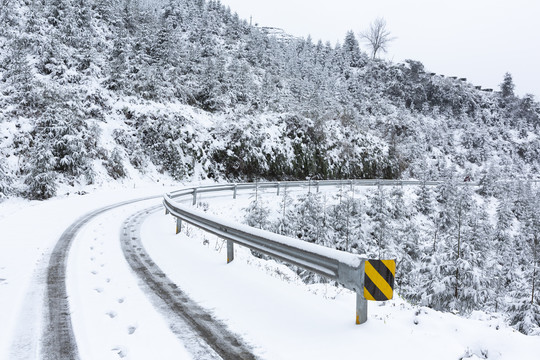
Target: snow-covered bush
41, 179
5, 180
114, 165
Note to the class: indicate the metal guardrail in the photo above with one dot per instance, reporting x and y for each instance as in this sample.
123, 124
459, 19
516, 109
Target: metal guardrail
345, 268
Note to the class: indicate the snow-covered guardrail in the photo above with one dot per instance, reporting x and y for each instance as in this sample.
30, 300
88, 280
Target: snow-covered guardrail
345, 268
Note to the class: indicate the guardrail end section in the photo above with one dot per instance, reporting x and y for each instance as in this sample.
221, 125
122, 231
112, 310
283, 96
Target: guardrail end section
352, 277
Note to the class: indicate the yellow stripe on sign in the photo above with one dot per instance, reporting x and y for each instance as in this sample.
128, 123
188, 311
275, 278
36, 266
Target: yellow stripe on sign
391, 265
378, 280
367, 295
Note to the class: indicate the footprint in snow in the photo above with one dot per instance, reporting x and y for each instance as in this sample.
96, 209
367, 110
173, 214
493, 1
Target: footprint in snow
107, 280
131, 329
94, 272
99, 290
120, 351
2, 281
112, 314
120, 300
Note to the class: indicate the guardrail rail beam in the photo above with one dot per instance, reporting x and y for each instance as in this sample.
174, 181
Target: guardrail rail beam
345, 268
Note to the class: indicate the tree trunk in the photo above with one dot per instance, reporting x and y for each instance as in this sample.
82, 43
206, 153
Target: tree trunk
458, 252
535, 264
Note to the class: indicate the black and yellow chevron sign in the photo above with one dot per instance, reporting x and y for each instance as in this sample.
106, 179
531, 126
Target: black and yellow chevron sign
379, 279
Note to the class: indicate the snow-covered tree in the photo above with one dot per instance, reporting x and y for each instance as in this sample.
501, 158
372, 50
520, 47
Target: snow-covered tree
41, 178
507, 86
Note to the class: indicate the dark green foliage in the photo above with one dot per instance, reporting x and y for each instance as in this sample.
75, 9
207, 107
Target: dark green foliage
192, 90
133, 148
71, 139
525, 316
168, 141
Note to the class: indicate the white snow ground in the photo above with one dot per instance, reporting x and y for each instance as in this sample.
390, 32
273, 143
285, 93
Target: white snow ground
262, 301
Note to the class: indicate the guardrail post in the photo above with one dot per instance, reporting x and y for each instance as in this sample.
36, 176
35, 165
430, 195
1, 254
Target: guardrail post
234, 192
194, 196
278, 189
166, 211
178, 225
316, 182
230, 251
361, 308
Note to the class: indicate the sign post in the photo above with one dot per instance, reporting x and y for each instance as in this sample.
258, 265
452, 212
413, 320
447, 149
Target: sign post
378, 285
361, 309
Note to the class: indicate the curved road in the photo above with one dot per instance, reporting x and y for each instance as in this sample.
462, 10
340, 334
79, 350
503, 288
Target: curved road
175, 305
58, 339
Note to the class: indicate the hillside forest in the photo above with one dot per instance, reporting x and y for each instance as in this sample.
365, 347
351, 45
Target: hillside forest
103, 90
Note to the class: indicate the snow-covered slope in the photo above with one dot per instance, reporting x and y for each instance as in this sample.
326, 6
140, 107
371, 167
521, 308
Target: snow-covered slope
262, 301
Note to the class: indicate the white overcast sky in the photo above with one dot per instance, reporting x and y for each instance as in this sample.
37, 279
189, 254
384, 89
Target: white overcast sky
476, 39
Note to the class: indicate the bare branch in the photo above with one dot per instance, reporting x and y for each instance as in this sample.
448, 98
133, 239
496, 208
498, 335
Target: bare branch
377, 36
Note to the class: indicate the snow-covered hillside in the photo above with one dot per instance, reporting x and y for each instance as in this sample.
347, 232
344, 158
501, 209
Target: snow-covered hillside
106, 87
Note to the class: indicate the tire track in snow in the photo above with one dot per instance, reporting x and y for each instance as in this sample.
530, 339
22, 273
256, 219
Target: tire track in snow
58, 339
175, 305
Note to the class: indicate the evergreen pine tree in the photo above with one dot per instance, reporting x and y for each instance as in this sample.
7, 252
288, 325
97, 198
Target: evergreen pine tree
41, 178
507, 86
5, 180
351, 51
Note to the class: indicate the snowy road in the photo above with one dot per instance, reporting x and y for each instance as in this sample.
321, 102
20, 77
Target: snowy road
186, 318
102, 288
58, 338
97, 305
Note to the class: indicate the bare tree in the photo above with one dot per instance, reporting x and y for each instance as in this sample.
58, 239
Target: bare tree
377, 36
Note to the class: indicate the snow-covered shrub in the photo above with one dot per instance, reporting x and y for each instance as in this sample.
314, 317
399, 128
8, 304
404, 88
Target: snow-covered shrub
41, 179
132, 147
525, 316
257, 214
5, 180
114, 165
169, 142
